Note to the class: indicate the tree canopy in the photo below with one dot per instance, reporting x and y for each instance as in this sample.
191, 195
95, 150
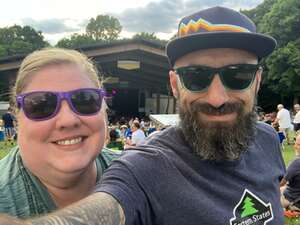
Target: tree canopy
20, 40
104, 27
76, 40
281, 20
283, 23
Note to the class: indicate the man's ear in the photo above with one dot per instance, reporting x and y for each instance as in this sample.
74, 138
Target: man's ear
258, 79
173, 83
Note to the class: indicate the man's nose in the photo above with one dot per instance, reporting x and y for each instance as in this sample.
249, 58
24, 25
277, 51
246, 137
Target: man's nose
216, 93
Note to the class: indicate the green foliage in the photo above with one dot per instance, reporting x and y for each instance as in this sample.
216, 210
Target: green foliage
20, 40
283, 21
149, 37
76, 40
256, 14
104, 27
284, 69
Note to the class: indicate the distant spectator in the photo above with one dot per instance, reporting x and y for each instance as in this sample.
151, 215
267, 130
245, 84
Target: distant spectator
290, 184
296, 121
284, 120
137, 135
9, 124
114, 140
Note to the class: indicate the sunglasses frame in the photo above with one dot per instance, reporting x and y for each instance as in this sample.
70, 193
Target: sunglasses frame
219, 72
66, 95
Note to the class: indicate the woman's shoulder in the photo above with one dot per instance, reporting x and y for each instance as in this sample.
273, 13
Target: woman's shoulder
10, 167
107, 156
12, 187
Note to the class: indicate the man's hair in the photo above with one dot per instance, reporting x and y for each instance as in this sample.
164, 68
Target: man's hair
136, 124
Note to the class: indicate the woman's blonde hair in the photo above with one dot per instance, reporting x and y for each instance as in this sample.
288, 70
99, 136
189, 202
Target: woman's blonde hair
40, 59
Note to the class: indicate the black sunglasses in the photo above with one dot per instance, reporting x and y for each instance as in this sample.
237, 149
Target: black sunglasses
234, 77
43, 105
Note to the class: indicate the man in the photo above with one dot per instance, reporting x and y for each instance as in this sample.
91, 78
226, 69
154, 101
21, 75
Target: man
219, 166
290, 184
283, 119
9, 125
297, 117
137, 136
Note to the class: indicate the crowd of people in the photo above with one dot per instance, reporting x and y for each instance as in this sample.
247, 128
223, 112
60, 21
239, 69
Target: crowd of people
218, 166
284, 121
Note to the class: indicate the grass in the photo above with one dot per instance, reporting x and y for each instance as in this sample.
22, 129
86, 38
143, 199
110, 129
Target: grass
288, 155
4, 148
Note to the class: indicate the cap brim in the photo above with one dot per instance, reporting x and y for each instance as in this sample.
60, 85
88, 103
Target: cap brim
258, 44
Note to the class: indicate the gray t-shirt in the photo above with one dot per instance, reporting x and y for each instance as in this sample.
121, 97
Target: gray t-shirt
292, 191
162, 182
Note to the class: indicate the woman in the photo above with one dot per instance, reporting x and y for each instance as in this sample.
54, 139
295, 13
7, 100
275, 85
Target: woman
61, 131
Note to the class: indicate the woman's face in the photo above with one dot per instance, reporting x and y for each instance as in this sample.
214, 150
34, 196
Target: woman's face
67, 143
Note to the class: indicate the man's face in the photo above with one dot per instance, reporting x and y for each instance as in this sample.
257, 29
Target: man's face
217, 122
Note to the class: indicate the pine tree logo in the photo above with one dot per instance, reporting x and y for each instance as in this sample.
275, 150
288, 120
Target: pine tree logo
248, 208
251, 210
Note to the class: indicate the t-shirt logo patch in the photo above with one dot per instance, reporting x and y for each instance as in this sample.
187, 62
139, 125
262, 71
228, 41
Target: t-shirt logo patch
251, 210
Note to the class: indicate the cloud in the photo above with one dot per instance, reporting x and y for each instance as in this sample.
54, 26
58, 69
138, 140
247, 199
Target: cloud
54, 25
154, 17
162, 16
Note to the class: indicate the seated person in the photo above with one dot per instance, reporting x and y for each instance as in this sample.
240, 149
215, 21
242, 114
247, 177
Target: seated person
138, 135
114, 140
290, 184
61, 118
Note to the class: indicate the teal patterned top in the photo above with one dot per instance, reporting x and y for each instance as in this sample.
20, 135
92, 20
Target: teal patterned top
23, 195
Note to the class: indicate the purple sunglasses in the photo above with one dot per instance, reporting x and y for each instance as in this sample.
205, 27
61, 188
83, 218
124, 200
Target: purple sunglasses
44, 105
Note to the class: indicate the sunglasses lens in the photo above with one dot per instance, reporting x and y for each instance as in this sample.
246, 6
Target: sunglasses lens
86, 102
39, 105
239, 77
195, 78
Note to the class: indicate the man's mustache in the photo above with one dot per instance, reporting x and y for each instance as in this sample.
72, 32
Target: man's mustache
226, 108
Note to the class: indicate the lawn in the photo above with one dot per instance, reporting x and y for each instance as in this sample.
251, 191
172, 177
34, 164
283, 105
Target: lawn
288, 155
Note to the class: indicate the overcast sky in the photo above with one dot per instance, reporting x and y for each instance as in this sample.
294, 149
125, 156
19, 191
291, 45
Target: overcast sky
60, 18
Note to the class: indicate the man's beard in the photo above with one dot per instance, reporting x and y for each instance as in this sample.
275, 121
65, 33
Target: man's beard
218, 140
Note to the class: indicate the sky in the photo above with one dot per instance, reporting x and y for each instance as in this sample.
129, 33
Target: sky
61, 18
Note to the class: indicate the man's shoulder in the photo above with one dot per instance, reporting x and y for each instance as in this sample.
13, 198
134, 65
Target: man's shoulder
265, 128
295, 163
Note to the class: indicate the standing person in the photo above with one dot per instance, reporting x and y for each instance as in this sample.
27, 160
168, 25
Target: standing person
62, 124
219, 166
9, 121
297, 117
283, 119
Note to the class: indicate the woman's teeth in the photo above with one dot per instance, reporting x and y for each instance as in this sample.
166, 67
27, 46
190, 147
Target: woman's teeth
70, 141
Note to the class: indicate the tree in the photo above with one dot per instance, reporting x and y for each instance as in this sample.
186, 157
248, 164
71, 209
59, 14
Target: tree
104, 27
283, 23
20, 40
75, 41
256, 14
148, 36
284, 70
